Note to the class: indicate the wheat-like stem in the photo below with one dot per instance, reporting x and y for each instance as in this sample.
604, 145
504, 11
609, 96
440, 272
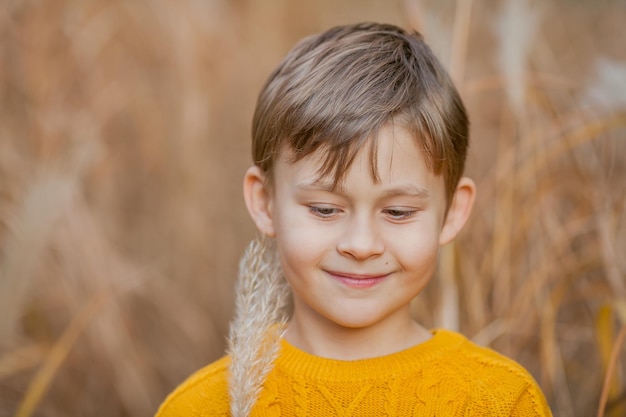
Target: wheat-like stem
260, 316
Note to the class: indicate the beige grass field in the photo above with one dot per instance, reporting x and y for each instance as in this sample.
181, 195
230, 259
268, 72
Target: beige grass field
124, 136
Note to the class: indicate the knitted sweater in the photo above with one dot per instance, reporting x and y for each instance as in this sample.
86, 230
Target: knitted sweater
445, 376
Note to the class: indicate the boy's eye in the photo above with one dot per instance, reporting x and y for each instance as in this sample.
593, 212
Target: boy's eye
324, 212
398, 214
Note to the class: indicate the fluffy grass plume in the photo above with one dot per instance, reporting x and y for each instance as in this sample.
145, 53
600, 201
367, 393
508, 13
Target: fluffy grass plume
260, 306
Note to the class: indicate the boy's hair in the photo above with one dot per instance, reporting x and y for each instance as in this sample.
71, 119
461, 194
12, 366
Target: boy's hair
335, 90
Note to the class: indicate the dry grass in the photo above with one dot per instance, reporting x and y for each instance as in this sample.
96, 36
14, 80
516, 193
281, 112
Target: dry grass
261, 313
124, 135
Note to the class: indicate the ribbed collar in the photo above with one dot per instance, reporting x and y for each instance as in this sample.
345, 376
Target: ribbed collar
294, 361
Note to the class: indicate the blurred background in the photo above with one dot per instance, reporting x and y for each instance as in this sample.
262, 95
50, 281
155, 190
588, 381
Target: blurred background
124, 136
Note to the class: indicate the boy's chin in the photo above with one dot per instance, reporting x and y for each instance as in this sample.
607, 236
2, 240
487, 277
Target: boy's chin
363, 323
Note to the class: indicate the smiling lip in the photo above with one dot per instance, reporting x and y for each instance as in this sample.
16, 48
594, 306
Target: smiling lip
357, 280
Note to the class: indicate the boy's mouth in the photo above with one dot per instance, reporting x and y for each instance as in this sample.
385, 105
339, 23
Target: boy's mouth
357, 280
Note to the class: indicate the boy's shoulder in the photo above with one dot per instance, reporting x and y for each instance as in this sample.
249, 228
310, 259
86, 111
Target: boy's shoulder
458, 344
492, 377
482, 359
204, 393
462, 355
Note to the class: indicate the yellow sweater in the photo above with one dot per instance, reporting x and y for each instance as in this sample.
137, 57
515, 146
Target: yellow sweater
446, 376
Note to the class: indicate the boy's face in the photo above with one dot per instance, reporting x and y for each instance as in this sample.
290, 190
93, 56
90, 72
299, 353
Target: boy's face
355, 256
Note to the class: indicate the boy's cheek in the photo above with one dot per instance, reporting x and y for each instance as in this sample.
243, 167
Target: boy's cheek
298, 233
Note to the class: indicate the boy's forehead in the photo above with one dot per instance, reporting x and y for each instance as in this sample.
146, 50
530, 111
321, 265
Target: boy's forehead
378, 154
310, 168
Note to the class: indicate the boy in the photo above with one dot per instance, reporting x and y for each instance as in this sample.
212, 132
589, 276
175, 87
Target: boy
359, 145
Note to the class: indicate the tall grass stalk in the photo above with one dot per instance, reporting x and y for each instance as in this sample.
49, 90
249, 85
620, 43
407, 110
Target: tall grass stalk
516, 28
460, 39
43, 378
23, 249
611, 369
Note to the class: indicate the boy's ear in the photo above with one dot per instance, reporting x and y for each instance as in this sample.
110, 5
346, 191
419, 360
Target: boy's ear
459, 211
258, 200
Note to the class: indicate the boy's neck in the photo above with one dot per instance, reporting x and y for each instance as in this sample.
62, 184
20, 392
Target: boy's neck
332, 341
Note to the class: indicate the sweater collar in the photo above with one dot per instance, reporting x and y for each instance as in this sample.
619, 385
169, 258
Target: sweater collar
294, 361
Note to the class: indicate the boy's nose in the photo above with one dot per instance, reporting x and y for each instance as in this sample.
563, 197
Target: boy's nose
361, 240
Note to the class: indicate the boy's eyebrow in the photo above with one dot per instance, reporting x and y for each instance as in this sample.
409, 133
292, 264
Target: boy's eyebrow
400, 190
408, 190
318, 185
